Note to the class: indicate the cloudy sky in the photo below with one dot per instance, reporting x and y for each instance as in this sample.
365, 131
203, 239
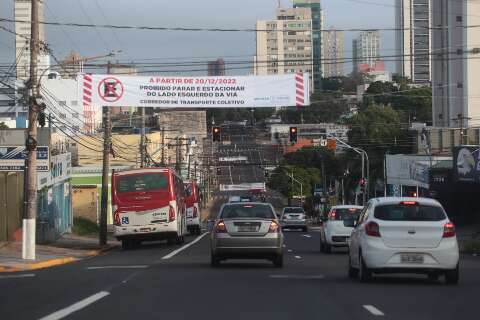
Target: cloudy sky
170, 46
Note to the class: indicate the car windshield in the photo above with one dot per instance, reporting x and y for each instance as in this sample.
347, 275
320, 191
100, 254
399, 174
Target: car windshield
245, 211
402, 212
142, 182
346, 214
293, 210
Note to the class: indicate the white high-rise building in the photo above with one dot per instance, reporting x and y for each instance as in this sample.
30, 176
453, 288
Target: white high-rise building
23, 12
285, 45
366, 49
333, 47
456, 63
413, 39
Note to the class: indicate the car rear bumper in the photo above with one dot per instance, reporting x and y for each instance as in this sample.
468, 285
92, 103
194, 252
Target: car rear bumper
293, 223
338, 240
224, 244
378, 256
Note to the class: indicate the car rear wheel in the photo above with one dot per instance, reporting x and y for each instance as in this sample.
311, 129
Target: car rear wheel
352, 272
180, 239
365, 272
214, 261
278, 261
433, 276
452, 276
328, 248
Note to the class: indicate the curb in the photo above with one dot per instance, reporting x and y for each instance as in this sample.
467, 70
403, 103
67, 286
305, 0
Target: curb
54, 262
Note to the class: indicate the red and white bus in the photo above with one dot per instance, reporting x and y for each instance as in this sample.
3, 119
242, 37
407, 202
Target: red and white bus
193, 207
148, 204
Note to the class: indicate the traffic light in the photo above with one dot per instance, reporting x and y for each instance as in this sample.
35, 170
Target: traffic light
363, 184
293, 134
216, 133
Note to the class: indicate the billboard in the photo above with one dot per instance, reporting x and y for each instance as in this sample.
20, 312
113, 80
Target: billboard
12, 158
410, 170
466, 163
195, 92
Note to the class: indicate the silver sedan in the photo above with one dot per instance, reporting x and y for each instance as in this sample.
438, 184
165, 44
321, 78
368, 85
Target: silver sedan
247, 231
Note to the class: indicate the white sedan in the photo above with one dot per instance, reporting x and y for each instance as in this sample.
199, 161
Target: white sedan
404, 235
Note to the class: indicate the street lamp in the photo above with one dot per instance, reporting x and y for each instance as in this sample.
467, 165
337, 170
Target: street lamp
364, 155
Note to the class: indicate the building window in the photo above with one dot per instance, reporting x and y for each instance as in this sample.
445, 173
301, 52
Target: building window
459, 18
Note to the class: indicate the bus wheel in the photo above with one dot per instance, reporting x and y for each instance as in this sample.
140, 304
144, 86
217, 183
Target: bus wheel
180, 239
126, 244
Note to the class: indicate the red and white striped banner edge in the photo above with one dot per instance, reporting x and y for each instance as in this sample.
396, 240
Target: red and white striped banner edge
300, 90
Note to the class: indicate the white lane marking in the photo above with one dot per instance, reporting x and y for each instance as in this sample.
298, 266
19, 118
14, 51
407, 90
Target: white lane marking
373, 310
294, 276
16, 276
306, 235
117, 267
60, 314
298, 257
173, 253
289, 250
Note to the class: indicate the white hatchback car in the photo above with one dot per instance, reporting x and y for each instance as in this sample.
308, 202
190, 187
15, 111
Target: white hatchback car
338, 226
404, 235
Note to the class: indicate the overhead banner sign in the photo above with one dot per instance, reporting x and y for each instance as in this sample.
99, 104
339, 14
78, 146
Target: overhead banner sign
195, 92
13, 158
410, 170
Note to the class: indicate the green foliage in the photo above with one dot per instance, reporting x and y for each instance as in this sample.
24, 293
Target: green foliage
325, 107
281, 181
414, 104
84, 227
3, 126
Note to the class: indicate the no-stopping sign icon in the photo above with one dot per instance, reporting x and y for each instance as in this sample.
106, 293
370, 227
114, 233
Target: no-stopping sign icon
110, 89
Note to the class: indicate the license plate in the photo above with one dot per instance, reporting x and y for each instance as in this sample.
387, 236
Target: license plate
411, 258
247, 229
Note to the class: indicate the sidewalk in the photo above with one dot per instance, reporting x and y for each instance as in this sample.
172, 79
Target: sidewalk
69, 248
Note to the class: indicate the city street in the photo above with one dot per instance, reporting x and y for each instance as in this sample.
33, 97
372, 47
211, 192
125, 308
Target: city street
158, 281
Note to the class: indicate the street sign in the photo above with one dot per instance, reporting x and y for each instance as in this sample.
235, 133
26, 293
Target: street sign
12, 158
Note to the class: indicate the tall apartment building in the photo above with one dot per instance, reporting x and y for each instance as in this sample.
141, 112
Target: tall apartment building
216, 68
285, 45
317, 37
333, 47
455, 63
413, 39
366, 49
23, 12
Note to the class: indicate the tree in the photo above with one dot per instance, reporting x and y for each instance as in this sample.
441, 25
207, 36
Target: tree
415, 104
3, 126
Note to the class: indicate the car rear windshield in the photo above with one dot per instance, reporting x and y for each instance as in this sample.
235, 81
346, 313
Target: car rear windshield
142, 182
247, 211
293, 210
346, 214
401, 212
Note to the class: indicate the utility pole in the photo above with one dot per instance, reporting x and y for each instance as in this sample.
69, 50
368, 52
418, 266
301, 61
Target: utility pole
163, 146
142, 138
461, 118
30, 212
106, 169
364, 194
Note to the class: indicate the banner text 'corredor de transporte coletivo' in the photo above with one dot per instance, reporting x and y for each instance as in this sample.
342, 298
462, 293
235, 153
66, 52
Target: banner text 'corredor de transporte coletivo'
98, 90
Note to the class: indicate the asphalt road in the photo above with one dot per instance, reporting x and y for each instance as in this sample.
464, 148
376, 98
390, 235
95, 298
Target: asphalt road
157, 281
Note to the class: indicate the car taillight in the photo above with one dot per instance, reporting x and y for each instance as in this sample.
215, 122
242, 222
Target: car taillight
274, 227
372, 229
332, 215
116, 219
221, 227
195, 212
171, 214
448, 230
